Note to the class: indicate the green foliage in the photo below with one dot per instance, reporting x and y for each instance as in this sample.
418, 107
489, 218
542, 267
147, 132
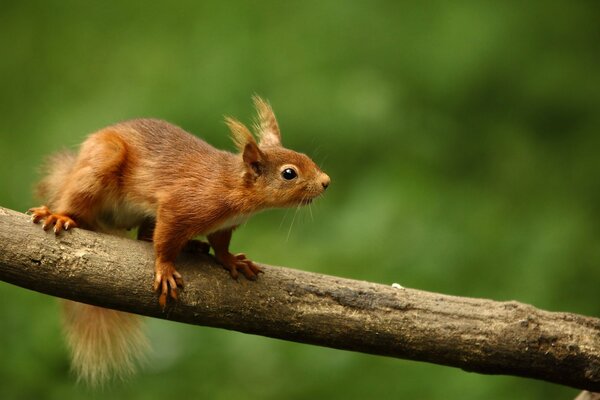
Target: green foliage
461, 137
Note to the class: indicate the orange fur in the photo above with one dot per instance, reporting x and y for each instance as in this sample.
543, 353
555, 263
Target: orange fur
174, 186
103, 342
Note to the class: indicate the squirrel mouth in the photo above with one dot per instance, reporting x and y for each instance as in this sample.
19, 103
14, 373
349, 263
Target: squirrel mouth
305, 202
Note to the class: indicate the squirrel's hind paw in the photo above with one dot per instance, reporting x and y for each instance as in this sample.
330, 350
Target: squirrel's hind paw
59, 221
240, 262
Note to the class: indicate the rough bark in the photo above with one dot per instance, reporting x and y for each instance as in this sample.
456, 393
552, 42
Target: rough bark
476, 335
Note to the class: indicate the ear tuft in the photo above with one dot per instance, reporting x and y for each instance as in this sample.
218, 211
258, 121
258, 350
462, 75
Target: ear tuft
240, 134
266, 127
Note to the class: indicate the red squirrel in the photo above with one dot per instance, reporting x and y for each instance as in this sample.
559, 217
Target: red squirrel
150, 174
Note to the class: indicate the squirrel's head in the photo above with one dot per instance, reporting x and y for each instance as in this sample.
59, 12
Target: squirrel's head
281, 177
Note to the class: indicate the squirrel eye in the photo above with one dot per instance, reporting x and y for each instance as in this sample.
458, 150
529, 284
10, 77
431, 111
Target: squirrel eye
288, 174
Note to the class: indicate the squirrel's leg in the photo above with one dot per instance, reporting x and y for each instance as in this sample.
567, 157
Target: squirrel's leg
96, 171
146, 233
76, 204
169, 239
220, 243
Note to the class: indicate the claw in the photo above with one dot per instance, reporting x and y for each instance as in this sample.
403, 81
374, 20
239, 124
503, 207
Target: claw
58, 226
166, 282
59, 222
162, 300
240, 262
50, 220
178, 279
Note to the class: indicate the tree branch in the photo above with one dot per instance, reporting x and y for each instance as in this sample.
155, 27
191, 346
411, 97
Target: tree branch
476, 335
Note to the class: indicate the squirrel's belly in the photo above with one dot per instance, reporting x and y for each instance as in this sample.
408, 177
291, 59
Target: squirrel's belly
124, 215
230, 223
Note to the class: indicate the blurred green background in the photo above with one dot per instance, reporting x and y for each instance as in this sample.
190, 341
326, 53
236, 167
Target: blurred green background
462, 139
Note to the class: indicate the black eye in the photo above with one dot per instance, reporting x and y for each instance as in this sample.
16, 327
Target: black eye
288, 174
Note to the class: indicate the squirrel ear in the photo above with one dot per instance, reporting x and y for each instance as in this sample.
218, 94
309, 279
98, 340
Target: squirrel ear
253, 158
239, 133
244, 141
266, 127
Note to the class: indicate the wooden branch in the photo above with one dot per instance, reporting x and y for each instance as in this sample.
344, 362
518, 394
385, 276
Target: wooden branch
473, 334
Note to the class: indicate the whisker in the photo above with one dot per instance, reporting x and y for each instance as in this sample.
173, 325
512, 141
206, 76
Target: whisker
317, 150
287, 210
324, 162
292, 224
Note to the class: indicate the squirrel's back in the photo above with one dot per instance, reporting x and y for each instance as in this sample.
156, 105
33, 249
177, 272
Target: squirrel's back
152, 154
160, 140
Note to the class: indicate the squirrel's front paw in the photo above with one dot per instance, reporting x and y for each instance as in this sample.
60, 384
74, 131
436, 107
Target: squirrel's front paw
166, 281
59, 221
233, 263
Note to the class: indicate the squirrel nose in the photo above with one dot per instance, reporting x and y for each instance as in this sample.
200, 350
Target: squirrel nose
325, 181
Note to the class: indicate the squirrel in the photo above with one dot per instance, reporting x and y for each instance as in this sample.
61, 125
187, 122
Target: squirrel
172, 186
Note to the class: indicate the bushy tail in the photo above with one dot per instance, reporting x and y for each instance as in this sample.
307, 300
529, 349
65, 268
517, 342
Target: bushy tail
56, 168
104, 343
